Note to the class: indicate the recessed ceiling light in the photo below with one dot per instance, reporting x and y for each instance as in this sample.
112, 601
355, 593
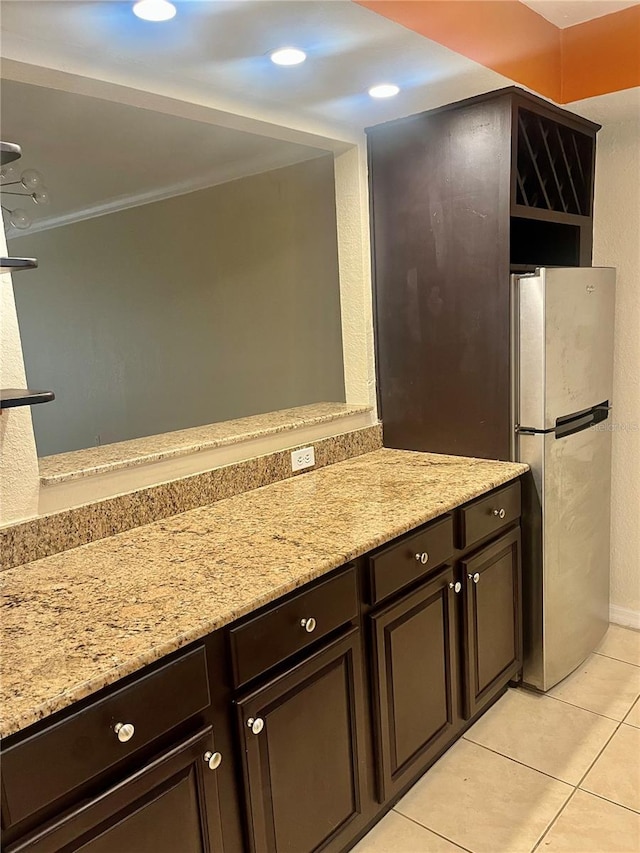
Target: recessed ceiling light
384, 90
154, 10
288, 56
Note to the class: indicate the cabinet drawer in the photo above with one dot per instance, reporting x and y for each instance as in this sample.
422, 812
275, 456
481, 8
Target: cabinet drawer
264, 641
75, 750
489, 514
162, 807
409, 558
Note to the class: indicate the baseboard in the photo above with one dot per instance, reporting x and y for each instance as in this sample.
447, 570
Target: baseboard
624, 616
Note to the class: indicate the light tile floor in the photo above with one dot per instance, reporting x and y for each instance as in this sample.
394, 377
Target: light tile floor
557, 773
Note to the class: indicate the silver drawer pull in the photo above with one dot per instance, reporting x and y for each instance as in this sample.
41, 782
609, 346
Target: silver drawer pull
422, 558
125, 731
255, 724
309, 624
213, 760
499, 513
456, 587
475, 578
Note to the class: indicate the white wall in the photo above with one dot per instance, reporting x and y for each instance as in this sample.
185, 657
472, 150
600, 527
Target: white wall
18, 455
205, 307
18, 464
617, 243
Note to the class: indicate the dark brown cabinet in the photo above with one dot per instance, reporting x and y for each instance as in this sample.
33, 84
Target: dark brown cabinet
295, 728
460, 197
283, 630
303, 736
91, 741
168, 806
415, 684
491, 580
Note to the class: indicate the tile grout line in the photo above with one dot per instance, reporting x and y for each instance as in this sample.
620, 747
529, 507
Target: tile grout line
604, 716
553, 821
428, 828
610, 657
576, 788
607, 800
626, 716
527, 692
521, 763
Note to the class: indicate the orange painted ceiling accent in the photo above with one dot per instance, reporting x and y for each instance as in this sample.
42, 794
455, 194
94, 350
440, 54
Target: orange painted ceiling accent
491, 32
601, 56
593, 58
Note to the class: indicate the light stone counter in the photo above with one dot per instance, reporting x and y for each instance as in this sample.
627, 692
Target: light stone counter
77, 621
153, 448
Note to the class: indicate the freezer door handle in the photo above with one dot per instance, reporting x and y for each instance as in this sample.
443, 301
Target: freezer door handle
571, 425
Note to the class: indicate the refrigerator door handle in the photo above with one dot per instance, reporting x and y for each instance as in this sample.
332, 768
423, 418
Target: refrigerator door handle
570, 426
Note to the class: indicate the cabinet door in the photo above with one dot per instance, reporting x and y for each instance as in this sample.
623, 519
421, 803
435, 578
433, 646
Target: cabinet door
169, 806
304, 748
440, 189
414, 680
493, 606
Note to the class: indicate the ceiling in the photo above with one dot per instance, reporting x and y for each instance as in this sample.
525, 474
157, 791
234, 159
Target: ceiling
219, 50
98, 156
215, 53
613, 108
567, 13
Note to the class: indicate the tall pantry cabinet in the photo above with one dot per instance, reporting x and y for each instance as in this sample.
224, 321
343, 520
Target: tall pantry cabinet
461, 196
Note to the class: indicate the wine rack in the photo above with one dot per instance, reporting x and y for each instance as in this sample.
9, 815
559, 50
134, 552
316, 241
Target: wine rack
554, 165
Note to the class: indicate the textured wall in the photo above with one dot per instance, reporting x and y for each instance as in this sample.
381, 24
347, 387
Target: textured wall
617, 243
197, 309
356, 296
18, 464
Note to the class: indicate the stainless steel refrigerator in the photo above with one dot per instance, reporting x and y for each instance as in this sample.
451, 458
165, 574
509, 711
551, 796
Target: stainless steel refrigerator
562, 335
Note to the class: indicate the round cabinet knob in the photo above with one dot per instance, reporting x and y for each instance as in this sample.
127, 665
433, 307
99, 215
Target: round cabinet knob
456, 587
422, 558
499, 513
475, 578
309, 624
125, 731
255, 724
213, 760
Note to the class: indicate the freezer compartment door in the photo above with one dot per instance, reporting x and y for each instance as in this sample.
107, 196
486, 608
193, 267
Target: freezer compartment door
567, 590
565, 342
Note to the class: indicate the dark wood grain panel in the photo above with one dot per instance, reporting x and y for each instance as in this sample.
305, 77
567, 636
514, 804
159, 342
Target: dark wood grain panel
489, 515
450, 212
492, 618
305, 771
403, 562
169, 806
85, 744
415, 680
270, 638
440, 188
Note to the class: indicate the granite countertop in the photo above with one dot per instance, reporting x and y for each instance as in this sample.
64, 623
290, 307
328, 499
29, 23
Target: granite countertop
63, 467
77, 621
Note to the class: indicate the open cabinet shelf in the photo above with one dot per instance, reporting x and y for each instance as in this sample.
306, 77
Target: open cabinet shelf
10, 398
9, 152
17, 264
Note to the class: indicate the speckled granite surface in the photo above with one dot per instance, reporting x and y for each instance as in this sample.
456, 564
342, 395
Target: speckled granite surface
50, 534
75, 622
153, 448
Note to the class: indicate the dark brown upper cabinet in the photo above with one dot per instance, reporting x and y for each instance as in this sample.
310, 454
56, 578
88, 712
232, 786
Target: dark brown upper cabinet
460, 197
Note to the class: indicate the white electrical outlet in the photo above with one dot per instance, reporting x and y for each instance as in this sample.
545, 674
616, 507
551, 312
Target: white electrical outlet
303, 458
